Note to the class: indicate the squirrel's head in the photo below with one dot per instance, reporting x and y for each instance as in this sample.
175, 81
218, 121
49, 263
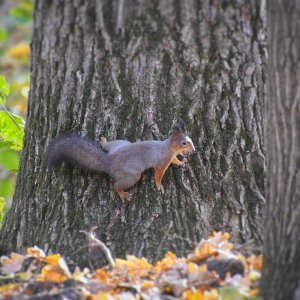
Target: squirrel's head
181, 143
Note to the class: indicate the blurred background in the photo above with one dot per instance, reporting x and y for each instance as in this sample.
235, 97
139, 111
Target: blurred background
15, 35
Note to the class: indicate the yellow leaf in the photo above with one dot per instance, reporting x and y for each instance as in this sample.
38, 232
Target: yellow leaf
101, 275
53, 259
204, 251
191, 267
56, 269
254, 292
229, 246
134, 266
102, 296
147, 284
167, 262
120, 262
196, 295
225, 236
19, 51
8, 290
53, 273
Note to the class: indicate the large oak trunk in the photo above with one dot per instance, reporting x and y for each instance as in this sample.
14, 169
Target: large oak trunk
128, 69
281, 273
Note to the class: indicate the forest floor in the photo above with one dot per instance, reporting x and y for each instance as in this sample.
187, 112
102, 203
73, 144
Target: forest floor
216, 270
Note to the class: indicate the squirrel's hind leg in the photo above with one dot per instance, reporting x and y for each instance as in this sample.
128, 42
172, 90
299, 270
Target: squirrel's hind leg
124, 183
124, 195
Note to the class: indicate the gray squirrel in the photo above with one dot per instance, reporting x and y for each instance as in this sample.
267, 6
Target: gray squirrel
122, 160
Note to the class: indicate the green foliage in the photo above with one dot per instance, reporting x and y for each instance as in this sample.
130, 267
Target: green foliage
2, 209
11, 126
9, 159
15, 35
4, 90
3, 34
11, 140
23, 12
11, 131
6, 188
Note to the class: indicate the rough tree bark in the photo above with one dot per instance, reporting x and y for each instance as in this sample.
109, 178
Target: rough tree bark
128, 70
281, 272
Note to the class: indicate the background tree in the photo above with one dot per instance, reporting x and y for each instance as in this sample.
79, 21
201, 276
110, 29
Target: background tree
128, 70
281, 272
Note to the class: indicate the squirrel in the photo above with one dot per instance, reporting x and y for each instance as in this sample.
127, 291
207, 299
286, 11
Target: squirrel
122, 160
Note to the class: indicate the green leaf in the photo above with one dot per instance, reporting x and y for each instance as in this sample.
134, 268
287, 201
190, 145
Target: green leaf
6, 145
9, 159
11, 131
2, 209
4, 89
3, 34
7, 187
2, 204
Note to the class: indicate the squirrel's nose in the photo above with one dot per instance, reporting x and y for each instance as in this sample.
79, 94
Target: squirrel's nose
191, 142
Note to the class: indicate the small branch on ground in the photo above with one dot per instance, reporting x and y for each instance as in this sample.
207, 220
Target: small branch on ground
95, 244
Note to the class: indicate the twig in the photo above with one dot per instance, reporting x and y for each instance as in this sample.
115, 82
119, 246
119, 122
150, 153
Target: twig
94, 242
163, 239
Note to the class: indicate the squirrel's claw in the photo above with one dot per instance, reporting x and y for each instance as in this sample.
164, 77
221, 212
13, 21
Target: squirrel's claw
183, 163
128, 196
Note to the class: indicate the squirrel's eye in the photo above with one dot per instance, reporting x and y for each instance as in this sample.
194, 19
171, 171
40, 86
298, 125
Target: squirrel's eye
183, 143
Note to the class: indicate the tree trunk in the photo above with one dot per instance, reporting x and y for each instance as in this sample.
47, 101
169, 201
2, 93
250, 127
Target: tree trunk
128, 70
281, 272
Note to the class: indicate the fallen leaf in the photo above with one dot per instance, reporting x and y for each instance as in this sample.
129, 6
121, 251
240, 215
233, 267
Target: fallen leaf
13, 264
36, 252
53, 274
193, 295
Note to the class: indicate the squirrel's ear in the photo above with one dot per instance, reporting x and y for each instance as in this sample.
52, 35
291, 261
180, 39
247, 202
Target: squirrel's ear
178, 127
181, 124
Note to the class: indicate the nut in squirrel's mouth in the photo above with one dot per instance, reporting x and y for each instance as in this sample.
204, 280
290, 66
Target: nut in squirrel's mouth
185, 153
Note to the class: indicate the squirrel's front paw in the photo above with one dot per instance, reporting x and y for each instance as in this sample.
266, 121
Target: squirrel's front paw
183, 163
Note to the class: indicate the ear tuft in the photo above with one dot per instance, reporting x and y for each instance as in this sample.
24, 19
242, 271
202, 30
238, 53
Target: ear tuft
178, 127
181, 124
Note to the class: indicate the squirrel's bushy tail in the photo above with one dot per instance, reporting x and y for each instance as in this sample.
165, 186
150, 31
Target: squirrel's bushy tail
78, 150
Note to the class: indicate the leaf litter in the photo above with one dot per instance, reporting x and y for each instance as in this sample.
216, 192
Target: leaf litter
215, 270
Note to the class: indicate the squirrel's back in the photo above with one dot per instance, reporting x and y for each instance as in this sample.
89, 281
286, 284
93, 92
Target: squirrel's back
139, 156
79, 150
